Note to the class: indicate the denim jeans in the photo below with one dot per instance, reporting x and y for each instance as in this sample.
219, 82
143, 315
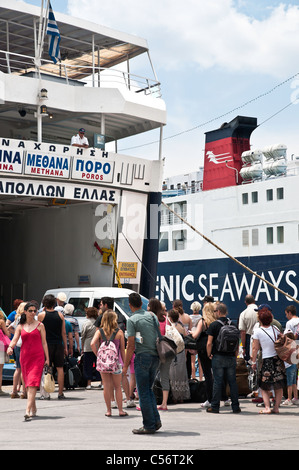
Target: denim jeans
224, 366
146, 367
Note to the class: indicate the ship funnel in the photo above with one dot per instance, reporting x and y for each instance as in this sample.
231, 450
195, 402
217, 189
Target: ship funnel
223, 150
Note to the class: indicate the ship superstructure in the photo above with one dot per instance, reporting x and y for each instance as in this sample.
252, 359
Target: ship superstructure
245, 201
74, 216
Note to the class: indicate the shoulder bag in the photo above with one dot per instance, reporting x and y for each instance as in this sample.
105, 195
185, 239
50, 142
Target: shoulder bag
172, 333
285, 347
166, 348
201, 341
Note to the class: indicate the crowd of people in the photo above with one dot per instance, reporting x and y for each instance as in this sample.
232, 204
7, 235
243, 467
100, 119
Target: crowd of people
124, 358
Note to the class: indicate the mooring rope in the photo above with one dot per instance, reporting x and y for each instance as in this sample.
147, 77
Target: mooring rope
228, 255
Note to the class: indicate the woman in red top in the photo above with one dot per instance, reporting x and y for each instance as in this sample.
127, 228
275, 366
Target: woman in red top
34, 354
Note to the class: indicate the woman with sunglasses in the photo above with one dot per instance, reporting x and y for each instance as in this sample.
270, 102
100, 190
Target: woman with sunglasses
34, 354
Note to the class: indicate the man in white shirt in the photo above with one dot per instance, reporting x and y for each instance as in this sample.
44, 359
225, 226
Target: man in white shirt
247, 320
80, 140
293, 321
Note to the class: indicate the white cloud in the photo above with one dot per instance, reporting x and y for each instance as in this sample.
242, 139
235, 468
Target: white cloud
211, 56
208, 33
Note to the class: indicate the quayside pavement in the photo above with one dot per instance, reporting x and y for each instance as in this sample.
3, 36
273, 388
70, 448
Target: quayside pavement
79, 423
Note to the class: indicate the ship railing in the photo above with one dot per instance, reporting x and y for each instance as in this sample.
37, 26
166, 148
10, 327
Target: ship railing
82, 75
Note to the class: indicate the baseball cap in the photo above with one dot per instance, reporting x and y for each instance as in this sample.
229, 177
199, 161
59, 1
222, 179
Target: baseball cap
260, 307
82, 130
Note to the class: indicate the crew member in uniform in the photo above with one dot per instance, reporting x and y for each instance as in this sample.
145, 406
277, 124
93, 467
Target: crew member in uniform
80, 140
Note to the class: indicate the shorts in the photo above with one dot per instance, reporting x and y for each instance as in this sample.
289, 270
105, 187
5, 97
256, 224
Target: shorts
291, 375
56, 354
132, 370
17, 352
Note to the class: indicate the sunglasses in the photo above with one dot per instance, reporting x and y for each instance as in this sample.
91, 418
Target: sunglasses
32, 311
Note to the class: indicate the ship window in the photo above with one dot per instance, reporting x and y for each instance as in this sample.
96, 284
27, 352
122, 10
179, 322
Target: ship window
279, 193
179, 239
269, 235
245, 198
280, 234
269, 194
163, 241
254, 196
245, 237
255, 236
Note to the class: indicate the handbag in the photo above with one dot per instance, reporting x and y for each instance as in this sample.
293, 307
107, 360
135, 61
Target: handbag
285, 347
201, 341
4, 339
166, 348
49, 382
190, 342
172, 333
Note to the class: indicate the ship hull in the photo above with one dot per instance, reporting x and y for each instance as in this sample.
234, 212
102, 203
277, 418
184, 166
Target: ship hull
229, 282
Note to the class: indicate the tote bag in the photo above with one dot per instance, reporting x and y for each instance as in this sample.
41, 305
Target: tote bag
172, 333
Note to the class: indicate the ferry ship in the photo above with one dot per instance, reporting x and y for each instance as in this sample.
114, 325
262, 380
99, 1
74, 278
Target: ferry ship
242, 219
68, 215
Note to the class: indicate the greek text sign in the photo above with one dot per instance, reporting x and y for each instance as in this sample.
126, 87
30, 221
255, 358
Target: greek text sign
11, 160
58, 190
127, 269
93, 170
47, 164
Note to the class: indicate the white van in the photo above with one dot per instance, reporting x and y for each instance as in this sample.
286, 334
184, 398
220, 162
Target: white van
83, 297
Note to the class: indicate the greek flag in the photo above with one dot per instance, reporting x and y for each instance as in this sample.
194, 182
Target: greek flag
54, 36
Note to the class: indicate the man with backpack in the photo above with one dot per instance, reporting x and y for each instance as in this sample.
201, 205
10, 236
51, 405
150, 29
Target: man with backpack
222, 348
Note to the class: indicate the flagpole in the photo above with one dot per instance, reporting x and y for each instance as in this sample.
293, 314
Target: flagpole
37, 49
44, 26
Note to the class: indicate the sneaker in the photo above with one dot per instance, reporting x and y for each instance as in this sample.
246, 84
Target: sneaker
288, 402
227, 402
138, 408
206, 404
295, 401
131, 404
88, 387
113, 404
61, 397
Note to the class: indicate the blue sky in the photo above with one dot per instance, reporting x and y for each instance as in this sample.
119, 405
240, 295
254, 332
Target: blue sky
211, 57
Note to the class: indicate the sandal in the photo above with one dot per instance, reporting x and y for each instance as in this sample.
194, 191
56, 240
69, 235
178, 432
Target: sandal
123, 414
162, 408
263, 412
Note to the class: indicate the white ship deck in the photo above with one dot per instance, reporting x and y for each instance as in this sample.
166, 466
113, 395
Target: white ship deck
93, 87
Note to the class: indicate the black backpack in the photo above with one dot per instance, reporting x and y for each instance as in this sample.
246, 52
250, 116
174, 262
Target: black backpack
228, 338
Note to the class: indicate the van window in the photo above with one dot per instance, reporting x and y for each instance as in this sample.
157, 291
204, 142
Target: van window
123, 303
80, 304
